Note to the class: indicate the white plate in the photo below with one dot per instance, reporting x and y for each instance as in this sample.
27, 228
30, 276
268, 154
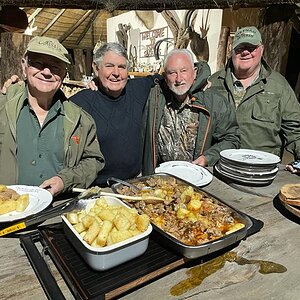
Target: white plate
236, 171
243, 177
189, 172
39, 199
248, 156
249, 181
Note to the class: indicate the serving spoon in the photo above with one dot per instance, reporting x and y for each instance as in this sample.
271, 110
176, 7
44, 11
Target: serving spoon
146, 198
130, 185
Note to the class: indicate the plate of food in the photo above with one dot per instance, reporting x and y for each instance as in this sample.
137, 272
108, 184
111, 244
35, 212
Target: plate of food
289, 196
187, 171
20, 201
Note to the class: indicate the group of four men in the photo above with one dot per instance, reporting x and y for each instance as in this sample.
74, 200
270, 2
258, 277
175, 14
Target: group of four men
141, 122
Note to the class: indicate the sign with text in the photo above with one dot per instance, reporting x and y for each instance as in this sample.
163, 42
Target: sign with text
148, 40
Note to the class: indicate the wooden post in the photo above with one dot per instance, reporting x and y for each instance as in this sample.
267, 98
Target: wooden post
222, 47
79, 62
229, 47
13, 46
88, 61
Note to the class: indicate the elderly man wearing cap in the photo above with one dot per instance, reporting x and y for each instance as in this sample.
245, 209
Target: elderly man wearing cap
45, 139
267, 109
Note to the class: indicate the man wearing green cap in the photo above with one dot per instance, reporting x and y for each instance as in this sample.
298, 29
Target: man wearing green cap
267, 110
45, 139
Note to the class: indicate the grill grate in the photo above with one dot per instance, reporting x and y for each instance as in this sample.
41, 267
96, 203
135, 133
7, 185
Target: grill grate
89, 284
85, 283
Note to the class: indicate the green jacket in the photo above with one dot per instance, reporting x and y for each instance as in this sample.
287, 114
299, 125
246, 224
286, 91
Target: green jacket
217, 128
269, 114
83, 159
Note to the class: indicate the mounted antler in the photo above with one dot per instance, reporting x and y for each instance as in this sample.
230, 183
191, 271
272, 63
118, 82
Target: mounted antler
185, 33
180, 35
199, 43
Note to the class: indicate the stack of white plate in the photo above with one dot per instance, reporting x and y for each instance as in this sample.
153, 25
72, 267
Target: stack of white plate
247, 166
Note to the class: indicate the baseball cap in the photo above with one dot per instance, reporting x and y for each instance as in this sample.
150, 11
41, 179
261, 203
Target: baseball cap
249, 35
49, 46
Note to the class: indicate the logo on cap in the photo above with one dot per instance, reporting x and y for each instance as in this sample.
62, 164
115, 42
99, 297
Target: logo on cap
249, 35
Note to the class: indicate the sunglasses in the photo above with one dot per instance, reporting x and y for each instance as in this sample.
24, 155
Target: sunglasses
39, 65
249, 48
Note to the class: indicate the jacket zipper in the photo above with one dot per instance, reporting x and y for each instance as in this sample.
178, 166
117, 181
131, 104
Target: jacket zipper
208, 124
153, 128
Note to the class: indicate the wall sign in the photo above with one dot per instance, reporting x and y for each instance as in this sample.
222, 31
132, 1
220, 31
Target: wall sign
148, 40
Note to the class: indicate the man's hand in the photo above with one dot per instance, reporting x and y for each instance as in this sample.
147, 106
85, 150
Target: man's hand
201, 161
92, 85
54, 185
291, 169
12, 80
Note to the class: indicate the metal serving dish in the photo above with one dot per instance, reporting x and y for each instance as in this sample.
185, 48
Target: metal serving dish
205, 248
104, 258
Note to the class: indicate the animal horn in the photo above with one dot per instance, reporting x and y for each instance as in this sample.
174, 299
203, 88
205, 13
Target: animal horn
157, 45
172, 23
187, 18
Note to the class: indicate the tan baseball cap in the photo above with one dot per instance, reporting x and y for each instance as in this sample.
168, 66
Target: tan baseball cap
249, 35
49, 46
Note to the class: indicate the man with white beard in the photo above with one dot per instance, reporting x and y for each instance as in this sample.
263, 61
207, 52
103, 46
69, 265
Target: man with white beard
186, 119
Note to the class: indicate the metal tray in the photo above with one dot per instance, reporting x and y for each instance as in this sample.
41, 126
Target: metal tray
192, 252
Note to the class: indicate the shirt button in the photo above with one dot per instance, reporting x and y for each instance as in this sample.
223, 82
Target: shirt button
40, 155
33, 162
41, 176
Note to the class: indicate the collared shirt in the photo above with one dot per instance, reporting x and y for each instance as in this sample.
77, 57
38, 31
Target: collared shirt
177, 132
40, 149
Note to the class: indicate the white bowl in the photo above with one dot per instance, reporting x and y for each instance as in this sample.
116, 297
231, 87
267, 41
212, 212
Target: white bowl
104, 258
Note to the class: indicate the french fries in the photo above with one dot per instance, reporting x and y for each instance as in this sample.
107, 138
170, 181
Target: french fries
104, 224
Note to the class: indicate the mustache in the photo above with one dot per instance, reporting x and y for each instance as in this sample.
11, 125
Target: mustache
179, 83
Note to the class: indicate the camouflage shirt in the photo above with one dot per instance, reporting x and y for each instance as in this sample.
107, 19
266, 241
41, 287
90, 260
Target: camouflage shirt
178, 132
238, 89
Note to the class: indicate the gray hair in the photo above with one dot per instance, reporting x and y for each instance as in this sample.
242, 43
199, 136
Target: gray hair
114, 47
187, 52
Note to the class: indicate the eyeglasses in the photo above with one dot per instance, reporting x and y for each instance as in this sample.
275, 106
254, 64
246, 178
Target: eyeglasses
54, 69
248, 48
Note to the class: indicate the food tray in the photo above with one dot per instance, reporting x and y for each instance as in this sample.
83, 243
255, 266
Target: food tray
192, 252
104, 258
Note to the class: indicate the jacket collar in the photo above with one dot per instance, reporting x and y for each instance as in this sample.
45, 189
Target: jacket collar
202, 75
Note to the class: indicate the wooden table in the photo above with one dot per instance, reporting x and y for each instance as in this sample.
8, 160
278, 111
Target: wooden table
277, 243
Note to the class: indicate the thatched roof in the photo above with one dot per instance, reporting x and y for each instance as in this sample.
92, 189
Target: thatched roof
111, 5
81, 23
74, 28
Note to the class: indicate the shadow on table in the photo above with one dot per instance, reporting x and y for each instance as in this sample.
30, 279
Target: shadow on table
280, 207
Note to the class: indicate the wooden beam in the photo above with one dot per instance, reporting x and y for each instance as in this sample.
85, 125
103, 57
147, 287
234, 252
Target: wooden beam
34, 14
158, 5
52, 22
87, 27
67, 33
